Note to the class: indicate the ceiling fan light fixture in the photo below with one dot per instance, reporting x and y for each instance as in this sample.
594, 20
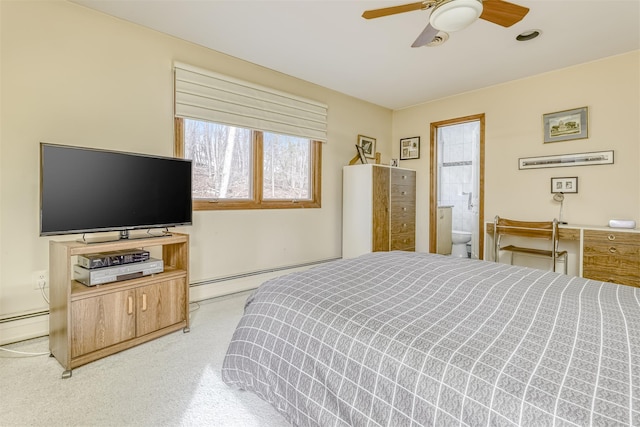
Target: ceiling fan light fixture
455, 15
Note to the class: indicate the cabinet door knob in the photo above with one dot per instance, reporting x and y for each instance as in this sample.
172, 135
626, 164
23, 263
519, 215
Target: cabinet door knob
613, 250
611, 237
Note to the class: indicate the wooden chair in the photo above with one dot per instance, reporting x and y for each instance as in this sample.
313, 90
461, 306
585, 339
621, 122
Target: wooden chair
538, 230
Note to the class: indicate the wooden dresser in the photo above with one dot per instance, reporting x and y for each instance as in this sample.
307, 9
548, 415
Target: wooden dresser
379, 209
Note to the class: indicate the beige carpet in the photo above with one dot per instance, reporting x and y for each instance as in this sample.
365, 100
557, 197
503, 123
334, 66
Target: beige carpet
171, 381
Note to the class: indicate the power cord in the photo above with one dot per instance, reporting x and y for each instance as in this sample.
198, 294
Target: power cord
41, 286
44, 296
26, 353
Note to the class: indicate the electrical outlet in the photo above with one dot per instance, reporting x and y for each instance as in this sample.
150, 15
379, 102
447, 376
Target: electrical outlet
40, 279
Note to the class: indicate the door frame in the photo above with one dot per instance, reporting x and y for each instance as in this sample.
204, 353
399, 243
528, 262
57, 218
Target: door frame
433, 188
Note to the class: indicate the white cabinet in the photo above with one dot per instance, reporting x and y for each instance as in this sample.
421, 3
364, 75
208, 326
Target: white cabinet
444, 230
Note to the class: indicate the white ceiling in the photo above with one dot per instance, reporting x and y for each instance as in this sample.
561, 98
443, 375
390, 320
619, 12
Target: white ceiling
327, 42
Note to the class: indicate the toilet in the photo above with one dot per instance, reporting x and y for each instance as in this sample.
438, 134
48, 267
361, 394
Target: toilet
459, 240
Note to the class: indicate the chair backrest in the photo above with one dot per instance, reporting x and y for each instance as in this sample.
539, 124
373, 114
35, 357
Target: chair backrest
531, 229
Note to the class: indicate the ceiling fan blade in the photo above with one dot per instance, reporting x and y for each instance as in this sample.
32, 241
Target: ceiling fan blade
386, 11
502, 12
426, 36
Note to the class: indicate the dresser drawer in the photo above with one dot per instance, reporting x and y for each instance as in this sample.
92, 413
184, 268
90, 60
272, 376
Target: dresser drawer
404, 197
403, 242
405, 212
398, 226
403, 177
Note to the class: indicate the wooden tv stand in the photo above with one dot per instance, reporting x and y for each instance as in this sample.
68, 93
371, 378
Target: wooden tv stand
88, 323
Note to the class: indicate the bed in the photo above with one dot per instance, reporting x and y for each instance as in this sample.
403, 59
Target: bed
415, 339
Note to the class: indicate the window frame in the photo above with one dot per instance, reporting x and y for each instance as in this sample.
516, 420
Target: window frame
257, 201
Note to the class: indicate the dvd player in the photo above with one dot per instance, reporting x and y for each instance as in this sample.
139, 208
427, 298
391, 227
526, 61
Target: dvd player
108, 259
100, 276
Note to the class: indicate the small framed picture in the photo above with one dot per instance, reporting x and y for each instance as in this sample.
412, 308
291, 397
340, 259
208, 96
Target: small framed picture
368, 145
564, 185
566, 125
410, 148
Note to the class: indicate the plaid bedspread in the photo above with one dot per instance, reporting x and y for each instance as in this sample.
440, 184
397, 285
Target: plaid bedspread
414, 339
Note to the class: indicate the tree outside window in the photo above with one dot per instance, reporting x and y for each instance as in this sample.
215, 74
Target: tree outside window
237, 168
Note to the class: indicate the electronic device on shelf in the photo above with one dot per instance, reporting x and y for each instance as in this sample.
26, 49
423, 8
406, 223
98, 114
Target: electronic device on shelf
100, 276
108, 259
86, 190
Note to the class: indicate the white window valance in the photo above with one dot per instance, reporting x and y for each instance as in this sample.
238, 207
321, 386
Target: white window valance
205, 95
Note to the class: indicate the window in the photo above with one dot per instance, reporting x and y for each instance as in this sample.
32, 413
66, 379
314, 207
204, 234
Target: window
239, 168
252, 147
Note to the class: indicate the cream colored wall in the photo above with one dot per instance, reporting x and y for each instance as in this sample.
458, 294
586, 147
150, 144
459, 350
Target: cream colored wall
71, 75
609, 87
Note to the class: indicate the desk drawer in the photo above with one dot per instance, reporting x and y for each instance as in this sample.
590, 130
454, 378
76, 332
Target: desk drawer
597, 236
612, 257
606, 276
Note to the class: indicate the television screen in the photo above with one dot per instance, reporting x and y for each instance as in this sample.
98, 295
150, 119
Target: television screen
88, 190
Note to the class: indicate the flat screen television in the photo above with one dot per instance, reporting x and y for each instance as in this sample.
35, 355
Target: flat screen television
86, 190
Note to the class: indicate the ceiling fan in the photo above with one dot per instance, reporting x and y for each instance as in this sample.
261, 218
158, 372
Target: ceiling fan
455, 15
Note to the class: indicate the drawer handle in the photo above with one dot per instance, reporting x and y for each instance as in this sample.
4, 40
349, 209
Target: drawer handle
404, 176
130, 305
404, 225
403, 192
611, 237
404, 209
613, 250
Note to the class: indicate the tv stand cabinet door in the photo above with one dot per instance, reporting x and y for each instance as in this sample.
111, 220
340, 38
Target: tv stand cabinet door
101, 321
161, 305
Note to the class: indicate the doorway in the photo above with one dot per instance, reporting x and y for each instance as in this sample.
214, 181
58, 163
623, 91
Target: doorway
457, 181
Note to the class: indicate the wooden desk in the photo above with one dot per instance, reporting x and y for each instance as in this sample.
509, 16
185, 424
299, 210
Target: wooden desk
606, 254
565, 232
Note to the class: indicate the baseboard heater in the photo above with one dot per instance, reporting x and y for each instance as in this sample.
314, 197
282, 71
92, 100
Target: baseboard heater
259, 272
194, 284
24, 316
